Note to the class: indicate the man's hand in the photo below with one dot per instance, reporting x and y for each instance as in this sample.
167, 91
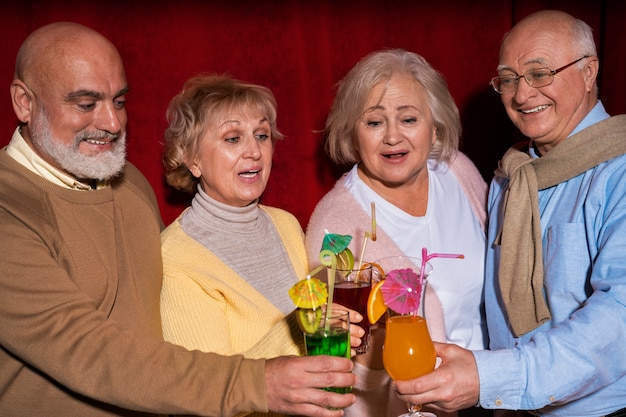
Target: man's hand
293, 385
454, 385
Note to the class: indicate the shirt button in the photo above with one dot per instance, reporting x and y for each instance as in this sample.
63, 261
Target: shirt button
498, 402
552, 399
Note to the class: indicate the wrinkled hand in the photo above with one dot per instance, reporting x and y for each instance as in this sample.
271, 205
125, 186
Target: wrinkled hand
356, 332
454, 385
293, 383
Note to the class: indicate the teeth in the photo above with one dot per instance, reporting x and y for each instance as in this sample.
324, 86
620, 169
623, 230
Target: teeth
97, 142
535, 110
249, 173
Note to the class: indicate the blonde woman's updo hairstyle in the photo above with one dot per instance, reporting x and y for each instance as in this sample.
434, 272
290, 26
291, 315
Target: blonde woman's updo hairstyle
353, 94
203, 102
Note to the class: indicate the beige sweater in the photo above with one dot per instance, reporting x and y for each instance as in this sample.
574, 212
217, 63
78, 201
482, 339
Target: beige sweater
79, 307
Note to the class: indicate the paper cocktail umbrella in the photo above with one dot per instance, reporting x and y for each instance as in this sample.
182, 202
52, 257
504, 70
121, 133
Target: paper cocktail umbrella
401, 290
309, 293
335, 243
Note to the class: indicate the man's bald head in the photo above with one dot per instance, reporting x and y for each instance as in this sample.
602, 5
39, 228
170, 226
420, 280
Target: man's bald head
54, 46
69, 95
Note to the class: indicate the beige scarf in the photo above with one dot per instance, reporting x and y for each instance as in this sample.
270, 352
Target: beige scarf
520, 237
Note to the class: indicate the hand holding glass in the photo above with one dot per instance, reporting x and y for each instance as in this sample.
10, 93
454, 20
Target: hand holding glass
408, 351
331, 337
352, 289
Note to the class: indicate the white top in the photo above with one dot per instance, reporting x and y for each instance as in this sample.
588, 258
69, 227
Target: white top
449, 226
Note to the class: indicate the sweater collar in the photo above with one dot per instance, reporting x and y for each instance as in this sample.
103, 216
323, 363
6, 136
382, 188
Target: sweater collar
203, 205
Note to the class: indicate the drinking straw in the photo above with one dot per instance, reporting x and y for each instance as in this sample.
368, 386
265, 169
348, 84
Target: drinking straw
427, 257
315, 271
329, 259
368, 235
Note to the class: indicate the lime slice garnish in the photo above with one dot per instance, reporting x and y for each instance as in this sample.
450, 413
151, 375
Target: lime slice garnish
345, 260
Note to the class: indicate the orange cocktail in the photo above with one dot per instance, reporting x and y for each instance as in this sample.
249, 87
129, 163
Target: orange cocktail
408, 351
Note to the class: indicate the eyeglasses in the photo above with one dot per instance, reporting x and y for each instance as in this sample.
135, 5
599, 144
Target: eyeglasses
537, 78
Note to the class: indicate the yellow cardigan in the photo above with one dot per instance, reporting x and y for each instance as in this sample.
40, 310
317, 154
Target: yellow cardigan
207, 306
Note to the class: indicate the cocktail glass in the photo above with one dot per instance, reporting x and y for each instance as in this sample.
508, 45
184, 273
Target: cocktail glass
331, 337
408, 351
352, 289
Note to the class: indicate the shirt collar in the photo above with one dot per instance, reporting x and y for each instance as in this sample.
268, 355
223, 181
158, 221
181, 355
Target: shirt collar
19, 150
597, 114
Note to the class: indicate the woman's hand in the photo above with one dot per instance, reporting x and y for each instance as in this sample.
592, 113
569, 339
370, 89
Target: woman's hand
356, 331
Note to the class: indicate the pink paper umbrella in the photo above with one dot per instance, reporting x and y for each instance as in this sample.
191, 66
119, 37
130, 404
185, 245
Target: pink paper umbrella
401, 290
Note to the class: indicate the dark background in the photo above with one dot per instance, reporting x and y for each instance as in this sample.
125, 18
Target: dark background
301, 49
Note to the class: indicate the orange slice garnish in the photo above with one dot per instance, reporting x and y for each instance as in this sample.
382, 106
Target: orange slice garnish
375, 305
377, 271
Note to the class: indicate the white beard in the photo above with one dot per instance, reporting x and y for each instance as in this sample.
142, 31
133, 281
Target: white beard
102, 166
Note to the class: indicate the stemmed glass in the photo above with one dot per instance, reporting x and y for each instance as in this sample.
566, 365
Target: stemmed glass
408, 351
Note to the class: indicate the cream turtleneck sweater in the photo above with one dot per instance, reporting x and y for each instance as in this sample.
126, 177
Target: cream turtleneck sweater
245, 239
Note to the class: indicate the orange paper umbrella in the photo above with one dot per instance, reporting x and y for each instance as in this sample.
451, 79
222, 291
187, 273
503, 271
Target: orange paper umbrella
309, 293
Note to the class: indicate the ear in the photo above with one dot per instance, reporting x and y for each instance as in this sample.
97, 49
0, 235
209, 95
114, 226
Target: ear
193, 167
22, 99
591, 73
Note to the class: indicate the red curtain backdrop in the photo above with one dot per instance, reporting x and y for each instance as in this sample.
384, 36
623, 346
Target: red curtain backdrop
301, 49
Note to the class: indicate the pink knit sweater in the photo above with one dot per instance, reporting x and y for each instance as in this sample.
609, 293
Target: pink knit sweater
375, 397
325, 217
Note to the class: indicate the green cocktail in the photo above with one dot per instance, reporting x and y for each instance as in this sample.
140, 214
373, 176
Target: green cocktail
332, 340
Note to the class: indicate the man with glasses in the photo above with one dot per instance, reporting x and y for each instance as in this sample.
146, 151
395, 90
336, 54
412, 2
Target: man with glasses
555, 288
539, 77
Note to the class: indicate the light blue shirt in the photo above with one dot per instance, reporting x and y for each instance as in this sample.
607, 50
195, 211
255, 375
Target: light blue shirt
575, 364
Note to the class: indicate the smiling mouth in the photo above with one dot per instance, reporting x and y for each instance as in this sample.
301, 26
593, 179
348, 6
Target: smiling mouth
99, 139
97, 142
534, 109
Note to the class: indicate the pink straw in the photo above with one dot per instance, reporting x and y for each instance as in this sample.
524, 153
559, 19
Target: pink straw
426, 257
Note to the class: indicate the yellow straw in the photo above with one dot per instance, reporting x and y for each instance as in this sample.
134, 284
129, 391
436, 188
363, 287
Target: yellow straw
370, 235
329, 259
